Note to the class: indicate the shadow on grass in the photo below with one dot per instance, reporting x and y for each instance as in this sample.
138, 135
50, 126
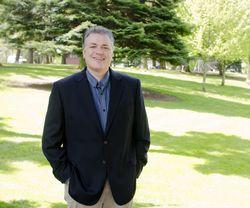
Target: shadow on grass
2, 84
141, 205
227, 155
187, 94
203, 104
192, 98
164, 84
38, 70
13, 151
43, 86
58, 205
135, 205
4, 132
19, 204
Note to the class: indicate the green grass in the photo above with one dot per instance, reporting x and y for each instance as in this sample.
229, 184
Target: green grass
36, 70
194, 169
227, 155
227, 100
19, 203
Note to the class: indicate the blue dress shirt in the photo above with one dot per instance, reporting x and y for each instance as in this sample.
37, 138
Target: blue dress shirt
100, 92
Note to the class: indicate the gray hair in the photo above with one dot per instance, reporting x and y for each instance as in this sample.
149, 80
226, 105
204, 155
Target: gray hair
98, 30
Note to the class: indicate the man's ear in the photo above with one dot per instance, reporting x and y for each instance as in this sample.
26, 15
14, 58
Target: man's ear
113, 50
83, 53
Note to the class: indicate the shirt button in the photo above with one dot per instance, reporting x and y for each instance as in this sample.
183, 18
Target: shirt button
103, 110
105, 142
104, 162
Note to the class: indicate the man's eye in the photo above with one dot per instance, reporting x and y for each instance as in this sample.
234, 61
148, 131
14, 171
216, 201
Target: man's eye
92, 46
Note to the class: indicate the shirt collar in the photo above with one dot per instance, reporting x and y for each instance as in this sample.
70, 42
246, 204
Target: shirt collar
93, 81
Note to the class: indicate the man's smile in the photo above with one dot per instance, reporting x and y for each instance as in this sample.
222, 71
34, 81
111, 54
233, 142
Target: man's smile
98, 58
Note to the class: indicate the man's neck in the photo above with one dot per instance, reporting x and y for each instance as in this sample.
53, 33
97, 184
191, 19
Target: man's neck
98, 75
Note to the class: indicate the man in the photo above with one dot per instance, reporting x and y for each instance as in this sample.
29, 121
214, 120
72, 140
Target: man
96, 134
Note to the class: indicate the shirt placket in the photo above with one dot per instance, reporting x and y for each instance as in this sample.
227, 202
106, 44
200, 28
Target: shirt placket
102, 105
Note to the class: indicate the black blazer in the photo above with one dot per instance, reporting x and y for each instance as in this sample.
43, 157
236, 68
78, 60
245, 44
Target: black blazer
77, 148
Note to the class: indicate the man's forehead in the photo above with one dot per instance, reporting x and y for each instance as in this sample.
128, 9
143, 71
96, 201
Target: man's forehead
98, 35
92, 38
95, 43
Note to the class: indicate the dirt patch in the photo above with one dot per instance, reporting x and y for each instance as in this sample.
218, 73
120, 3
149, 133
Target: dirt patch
148, 94
39, 86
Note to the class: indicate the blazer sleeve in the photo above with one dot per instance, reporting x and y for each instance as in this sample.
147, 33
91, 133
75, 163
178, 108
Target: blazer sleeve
53, 136
141, 131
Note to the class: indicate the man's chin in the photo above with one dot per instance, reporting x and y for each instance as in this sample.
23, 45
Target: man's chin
99, 69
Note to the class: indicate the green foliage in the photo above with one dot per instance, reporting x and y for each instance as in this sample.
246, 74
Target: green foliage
143, 28
18, 22
220, 28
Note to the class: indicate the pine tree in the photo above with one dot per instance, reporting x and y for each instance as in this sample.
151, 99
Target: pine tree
142, 29
17, 28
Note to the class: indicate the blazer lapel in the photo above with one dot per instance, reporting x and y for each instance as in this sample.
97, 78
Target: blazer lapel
85, 98
116, 90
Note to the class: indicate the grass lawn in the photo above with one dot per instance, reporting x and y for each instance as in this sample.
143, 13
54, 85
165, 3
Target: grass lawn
200, 152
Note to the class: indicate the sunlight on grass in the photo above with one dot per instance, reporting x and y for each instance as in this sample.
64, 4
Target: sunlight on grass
199, 157
211, 79
31, 182
179, 122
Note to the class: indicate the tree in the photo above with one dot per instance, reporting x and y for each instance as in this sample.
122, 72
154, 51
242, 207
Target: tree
60, 22
221, 29
30, 24
18, 24
141, 28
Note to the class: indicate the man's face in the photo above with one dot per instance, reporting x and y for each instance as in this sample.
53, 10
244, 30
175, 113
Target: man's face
98, 52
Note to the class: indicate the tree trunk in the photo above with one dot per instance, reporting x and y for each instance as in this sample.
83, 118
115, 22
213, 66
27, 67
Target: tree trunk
200, 65
248, 71
223, 71
47, 59
223, 77
18, 53
204, 71
163, 65
38, 59
154, 63
64, 56
30, 55
144, 64
186, 67
50, 59
220, 71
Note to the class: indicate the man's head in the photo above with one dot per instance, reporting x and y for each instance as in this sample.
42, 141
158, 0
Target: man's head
98, 46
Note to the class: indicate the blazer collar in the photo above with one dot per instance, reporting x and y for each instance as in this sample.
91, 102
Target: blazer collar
113, 75
116, 91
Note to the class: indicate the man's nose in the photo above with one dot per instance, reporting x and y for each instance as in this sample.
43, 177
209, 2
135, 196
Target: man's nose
99, 50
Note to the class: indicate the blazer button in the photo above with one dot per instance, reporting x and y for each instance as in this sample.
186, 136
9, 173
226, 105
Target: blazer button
103, 162
105, 142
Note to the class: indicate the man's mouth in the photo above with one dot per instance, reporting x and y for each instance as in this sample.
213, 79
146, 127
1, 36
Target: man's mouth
98, 59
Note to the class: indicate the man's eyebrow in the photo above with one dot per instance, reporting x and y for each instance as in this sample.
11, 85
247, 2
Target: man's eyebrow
105, 44
94, 44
